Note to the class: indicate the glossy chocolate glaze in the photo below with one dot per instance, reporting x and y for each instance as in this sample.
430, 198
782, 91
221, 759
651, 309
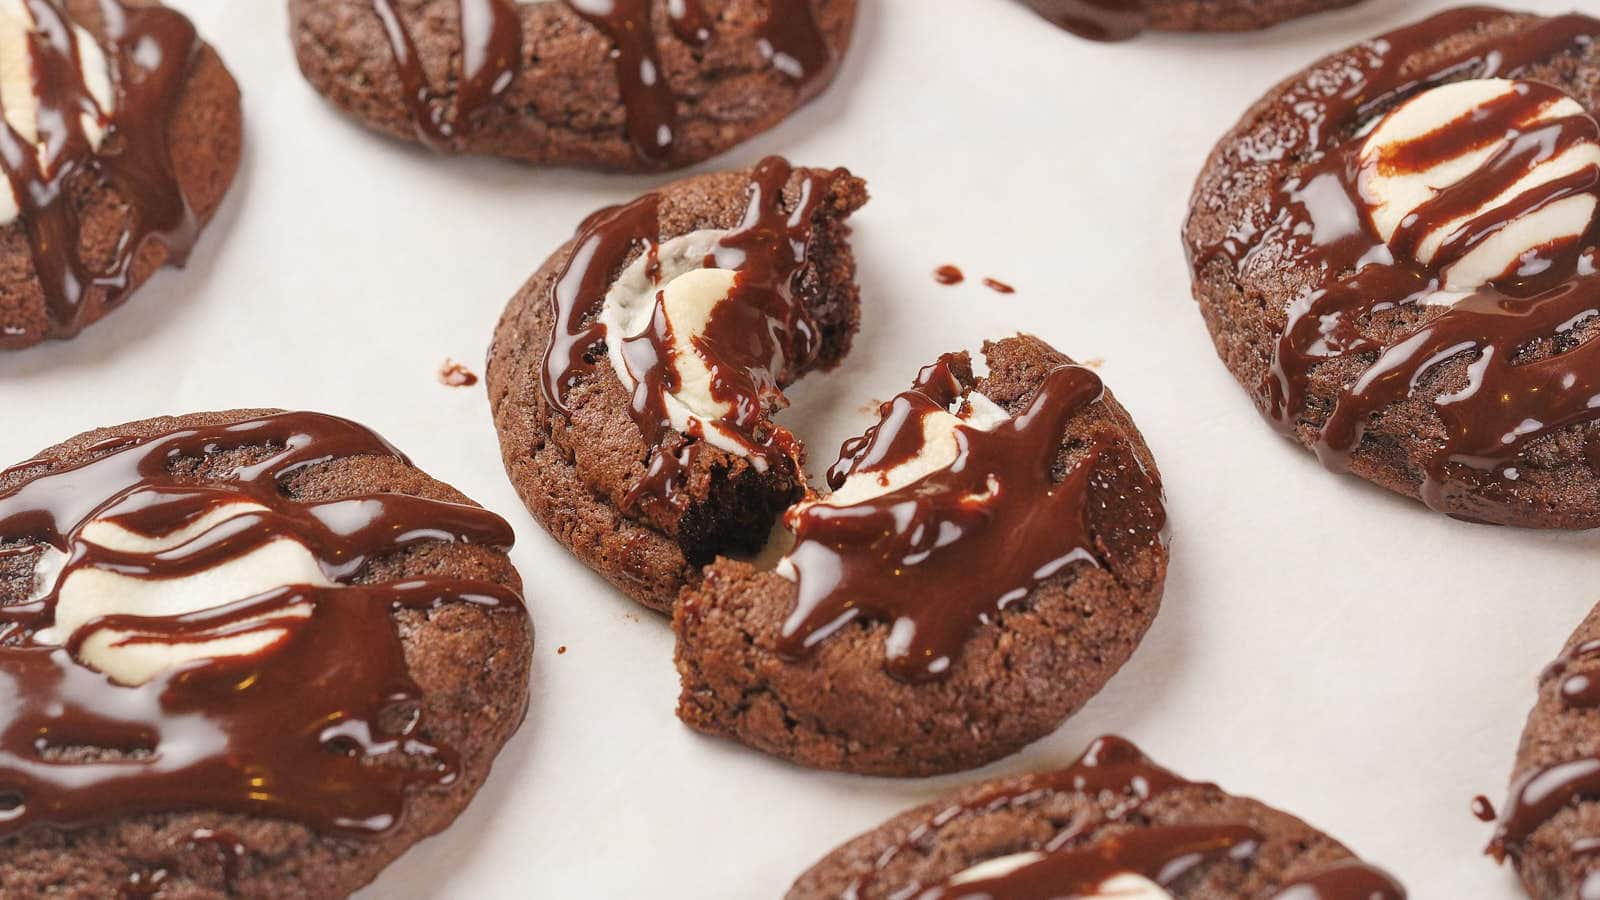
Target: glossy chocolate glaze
1097, 20
323, 726
909, 556
1318, 214
491, 56
758, 339
151, 51
789, 39
1075, 864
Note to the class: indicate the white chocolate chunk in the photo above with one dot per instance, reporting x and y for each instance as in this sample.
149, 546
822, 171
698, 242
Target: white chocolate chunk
1122, 886
1393, 196
89, 593
627, 311
19, 94
940, 450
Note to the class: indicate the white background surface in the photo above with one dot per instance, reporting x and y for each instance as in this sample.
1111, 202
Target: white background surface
1340, 653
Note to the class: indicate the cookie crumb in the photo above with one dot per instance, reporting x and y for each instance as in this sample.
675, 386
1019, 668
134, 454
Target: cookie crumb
454, 374
561, 649
999, 287
1094, 362
948, 274
1483, 809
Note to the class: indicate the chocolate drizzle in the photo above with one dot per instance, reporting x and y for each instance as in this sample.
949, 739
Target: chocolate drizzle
151, 51
788, 39
1092, 849
758, 339
909, 556
1316, 222
1097, 20
323, 725
491, 56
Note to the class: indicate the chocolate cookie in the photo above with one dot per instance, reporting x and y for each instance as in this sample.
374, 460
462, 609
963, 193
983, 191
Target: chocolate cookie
249, 653
1118, 20
1112, 825
1395, 252
990, 555
646, 481
634, 85
121, 132
1550, 826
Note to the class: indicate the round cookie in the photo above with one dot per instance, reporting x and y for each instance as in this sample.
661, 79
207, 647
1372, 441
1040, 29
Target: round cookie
1550, 824
990, 555
634, 85
1112, 825
1394, 252
642, 493
253, 653
1116, 20
131, 138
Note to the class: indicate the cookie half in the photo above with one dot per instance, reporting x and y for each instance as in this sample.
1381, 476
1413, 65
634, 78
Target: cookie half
121, 133
990, 555
253, 653
1395, 252
1549, 827
1113, 825
647, 470
1117, 20
635, 85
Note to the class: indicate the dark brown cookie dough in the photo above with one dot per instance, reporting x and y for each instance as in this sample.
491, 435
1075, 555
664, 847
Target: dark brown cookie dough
469, 661
1485, 416
1016, 673
575, 470
560, 89
1550, 823
1113, 813
119, 214
1122, 19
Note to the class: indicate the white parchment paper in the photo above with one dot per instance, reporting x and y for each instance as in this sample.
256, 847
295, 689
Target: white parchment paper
1338, 652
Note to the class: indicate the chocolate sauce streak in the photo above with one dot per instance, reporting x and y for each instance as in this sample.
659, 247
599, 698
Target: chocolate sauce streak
789, 39
151, 51
1508, 402
322, 726
998, 286
1097, 20
491, 56
758, 339
908, 556
1073, 863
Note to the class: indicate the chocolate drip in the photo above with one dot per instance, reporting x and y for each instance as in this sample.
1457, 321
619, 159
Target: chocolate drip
1579, 671
151, 51
910, 556
1163, 854
948, 275
789, 39
1097, 20
1507, 401
491, 39
758, 339
323, 726
1347, 880
1482, 809
491, 56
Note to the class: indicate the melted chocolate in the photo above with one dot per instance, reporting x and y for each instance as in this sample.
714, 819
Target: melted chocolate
491, 55
454, 374
1097, 20
758, 339
998, 286
1483, 809
789, 39
1347, 880
948, 275
151, 51
323, 726
950, 551
1317, 219
1075, 862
